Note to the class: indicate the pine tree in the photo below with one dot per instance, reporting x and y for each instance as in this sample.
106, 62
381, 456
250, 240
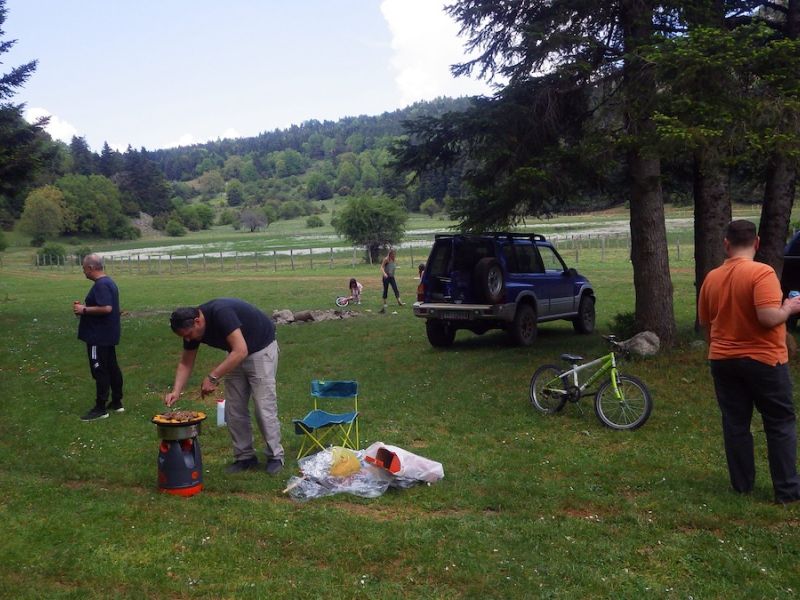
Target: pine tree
23, 146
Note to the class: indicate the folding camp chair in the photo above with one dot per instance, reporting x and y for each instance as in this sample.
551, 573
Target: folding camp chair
318, 425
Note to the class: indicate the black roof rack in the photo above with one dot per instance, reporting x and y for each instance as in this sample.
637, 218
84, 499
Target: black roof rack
534, 237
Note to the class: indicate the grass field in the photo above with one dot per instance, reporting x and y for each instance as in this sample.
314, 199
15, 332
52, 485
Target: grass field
531, 505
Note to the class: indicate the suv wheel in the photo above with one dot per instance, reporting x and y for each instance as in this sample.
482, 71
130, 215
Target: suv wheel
584, 322
488, 280
523, 329
440, 333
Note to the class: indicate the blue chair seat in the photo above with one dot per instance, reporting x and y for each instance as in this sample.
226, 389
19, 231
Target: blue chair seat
319, 427
317, 419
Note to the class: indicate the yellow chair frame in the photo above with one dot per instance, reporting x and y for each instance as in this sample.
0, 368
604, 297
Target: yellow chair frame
318, 426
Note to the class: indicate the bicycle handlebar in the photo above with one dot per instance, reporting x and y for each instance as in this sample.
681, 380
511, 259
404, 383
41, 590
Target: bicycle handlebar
615, 345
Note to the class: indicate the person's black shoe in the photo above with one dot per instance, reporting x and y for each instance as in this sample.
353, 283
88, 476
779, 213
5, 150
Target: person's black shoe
274, 466
95, 414
116, 407
242, 465
786, 501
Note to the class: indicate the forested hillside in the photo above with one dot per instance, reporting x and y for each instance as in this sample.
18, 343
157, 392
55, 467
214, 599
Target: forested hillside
245, 182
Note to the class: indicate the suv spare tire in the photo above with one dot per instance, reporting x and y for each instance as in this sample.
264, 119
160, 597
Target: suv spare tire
490, 286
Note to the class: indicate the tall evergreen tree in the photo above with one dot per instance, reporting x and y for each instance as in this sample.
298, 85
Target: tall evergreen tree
23, 146
142, 184
593, 55
83, 160
783, 143
110, 161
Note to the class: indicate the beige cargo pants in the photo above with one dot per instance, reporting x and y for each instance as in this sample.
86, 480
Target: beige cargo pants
254, 376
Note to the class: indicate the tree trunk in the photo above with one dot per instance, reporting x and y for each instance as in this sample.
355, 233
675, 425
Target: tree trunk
651, 278
776, 211
712, 213
781, 181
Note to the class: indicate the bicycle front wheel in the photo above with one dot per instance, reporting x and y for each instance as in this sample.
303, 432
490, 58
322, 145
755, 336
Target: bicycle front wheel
629, 408
342, 301
547, 389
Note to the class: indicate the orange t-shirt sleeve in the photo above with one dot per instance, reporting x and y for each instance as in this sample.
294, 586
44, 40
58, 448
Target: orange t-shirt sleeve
767, 290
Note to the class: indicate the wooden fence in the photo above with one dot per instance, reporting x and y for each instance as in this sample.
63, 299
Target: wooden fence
575, 249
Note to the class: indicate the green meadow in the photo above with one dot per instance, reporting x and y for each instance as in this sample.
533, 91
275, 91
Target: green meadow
531, 506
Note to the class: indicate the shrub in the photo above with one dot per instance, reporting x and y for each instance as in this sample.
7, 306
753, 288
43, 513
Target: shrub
160, 221
80, 253
623, 325
175, 228
227, 217
314, 221
51, 253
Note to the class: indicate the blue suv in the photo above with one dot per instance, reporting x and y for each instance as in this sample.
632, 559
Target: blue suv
508, 281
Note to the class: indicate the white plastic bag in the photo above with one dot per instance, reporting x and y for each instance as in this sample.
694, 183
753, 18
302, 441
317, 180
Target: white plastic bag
407, 464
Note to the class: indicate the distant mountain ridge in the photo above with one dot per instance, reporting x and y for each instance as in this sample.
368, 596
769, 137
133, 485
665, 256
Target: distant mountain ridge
314, 139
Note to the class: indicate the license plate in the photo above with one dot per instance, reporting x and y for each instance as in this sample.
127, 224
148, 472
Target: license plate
455, 315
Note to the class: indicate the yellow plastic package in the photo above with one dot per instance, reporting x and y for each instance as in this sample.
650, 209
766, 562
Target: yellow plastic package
344, 462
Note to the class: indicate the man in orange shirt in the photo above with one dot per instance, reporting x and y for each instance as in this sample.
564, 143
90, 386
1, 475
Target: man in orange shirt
741, 311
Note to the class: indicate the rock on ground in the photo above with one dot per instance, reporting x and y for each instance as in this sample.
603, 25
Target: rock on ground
286, 316
644, 343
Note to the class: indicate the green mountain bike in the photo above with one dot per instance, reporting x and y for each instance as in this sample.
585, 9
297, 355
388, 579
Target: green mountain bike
620, 402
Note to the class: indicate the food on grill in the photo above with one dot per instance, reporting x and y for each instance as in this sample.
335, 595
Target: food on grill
179, 416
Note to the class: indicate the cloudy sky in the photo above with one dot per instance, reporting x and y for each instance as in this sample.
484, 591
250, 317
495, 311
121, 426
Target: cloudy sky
162, 73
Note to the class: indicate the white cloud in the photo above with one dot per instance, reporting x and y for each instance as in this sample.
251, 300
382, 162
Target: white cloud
425, 44
230, 133
188, 139
56, 127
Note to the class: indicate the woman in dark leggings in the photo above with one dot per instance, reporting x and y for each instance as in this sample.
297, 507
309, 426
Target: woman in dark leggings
388, 265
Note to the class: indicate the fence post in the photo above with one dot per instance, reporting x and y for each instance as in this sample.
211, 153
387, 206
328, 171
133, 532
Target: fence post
221, 262
204, 261
411, 249
679, 248
603, 249
354, 258
331, 259
255, 256
275, 260
235, 260
138, 264
170, 262
291, 257
311, 257
187, 263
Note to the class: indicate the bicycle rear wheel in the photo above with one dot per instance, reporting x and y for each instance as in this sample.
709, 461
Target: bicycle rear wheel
628, 410
342, 301
547, 392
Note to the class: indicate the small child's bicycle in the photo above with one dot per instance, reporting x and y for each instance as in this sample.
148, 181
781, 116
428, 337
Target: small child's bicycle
621, 401
342, 301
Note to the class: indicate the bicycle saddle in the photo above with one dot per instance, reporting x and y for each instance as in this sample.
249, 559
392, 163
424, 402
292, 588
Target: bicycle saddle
571, 358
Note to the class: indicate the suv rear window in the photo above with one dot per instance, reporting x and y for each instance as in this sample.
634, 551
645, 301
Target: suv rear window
439, 258
470, 251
